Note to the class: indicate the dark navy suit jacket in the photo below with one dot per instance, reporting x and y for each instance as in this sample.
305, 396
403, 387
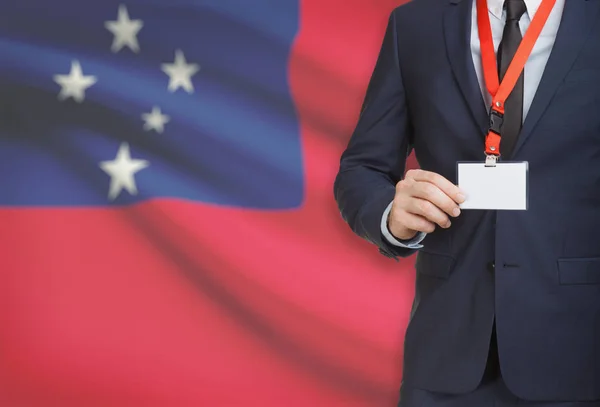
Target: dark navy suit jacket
544, 290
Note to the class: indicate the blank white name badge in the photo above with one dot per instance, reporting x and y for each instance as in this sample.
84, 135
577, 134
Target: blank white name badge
501, 187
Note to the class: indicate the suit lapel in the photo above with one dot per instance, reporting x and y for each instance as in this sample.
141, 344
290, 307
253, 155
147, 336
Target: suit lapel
578, 17
457, 32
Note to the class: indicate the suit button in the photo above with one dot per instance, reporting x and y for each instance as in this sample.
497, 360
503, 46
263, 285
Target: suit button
491, 266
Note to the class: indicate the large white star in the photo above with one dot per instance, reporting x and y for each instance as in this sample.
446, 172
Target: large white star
155, 120
74, 84
124, 30
121, 171
180, 73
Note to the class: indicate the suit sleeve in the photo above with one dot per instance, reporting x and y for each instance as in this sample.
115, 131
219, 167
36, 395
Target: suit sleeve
375, 158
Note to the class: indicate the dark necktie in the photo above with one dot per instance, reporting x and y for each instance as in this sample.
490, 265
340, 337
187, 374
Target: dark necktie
513, 107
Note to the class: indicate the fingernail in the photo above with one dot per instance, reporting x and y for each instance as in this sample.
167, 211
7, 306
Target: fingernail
456, 212
448, 224
461, 198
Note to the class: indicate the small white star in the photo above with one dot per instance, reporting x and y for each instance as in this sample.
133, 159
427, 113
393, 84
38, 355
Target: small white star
74, 84
121, 171
155, 120
180, 73
124, 30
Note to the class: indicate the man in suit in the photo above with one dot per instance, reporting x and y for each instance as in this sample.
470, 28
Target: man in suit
507, 303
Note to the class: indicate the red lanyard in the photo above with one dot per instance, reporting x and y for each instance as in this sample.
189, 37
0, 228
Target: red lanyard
501, 91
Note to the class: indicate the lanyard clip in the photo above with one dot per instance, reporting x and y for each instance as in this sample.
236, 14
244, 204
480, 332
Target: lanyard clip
490, 160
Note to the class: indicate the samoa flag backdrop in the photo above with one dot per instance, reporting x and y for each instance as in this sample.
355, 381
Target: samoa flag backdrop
168, 232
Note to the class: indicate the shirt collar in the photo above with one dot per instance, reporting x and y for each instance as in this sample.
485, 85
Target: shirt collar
496, 7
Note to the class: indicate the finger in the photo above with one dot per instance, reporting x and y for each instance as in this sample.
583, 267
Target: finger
430, 192
429, 211
442, 183
413, 222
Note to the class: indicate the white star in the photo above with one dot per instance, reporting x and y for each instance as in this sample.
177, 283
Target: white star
124, 30
180, 73
121, 171
74, 84
155, 120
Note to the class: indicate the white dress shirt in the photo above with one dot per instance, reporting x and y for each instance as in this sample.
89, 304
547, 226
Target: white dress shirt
534, 68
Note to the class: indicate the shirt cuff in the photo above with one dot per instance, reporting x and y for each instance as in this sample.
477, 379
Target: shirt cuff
413, 243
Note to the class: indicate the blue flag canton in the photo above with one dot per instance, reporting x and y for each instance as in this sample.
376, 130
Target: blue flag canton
109, 103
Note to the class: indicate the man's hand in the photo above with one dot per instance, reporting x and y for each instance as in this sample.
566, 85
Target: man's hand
423, 200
